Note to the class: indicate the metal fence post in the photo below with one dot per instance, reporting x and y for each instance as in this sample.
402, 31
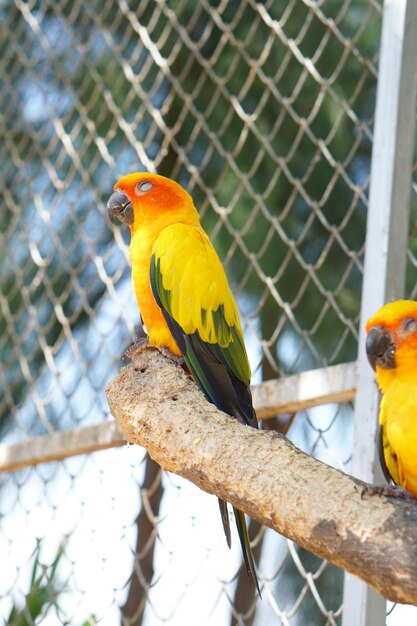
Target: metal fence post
386, 243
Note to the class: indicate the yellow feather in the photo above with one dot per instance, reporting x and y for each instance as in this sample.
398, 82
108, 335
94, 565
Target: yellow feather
194, 276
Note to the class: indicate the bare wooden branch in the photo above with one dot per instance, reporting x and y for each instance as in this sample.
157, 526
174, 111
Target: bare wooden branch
263, 474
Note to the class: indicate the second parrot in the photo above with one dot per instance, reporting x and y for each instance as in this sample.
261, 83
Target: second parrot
391, 346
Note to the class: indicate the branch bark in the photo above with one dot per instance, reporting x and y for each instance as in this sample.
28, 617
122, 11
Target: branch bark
264, 475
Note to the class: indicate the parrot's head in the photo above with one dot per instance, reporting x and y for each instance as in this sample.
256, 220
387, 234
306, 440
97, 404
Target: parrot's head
391, 343
142, 197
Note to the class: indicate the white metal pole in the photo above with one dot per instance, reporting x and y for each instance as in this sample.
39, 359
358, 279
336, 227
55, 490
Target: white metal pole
385, 251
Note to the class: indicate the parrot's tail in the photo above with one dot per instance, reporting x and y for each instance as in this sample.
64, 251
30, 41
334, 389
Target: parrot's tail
242, 529
244, 539
225, 520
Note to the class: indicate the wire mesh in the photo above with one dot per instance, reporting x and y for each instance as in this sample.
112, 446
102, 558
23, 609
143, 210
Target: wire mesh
263, 110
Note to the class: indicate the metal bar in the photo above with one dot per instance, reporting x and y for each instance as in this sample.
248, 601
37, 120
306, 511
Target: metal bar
385, 250
284, 395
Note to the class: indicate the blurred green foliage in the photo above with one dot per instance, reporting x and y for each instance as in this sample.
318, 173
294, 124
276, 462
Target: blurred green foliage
45, 589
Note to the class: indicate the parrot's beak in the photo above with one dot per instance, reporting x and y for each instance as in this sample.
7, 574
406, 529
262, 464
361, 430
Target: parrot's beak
120, 206
380, 348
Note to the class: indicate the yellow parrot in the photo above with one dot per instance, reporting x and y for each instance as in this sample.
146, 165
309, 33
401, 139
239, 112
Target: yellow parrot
391, 346
185, 301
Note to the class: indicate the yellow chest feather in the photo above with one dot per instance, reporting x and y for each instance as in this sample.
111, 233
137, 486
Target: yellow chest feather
399, 419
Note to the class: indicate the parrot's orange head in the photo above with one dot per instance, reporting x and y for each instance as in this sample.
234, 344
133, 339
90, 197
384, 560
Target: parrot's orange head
391, 343
142, 197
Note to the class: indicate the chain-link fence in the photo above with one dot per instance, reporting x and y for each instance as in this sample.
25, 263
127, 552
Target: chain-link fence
264, 111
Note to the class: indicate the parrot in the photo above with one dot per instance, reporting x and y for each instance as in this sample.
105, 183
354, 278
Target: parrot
185, 302
391, 347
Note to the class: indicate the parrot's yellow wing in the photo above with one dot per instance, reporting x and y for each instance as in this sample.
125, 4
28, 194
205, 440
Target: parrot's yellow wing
190, 286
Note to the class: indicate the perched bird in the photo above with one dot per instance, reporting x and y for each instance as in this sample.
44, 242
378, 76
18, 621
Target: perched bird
185, 301
391, 346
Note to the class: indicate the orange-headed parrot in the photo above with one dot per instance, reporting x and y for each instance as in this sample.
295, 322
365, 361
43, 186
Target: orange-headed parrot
185, 300
391, 347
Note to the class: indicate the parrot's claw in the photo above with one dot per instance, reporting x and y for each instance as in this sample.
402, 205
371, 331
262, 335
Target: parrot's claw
388, 491
142, 343
178, 360
136, 347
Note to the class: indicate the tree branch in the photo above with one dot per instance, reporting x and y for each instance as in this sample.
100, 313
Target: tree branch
264, 475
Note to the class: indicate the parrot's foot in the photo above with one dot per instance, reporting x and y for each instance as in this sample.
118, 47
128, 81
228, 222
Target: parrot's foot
136, 347
142, 343
178, 360
388, 491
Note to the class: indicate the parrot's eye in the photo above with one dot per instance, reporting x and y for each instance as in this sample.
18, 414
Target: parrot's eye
143, 187
410, 325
